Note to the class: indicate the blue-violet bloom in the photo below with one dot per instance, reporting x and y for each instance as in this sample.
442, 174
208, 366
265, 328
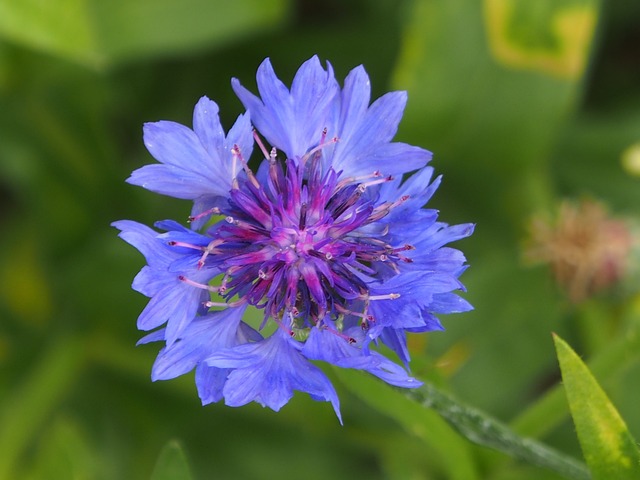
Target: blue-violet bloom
328, 237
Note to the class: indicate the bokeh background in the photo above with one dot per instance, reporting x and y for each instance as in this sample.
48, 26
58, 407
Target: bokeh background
525, 104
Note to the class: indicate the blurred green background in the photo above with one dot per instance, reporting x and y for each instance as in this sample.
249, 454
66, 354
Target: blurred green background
523, 102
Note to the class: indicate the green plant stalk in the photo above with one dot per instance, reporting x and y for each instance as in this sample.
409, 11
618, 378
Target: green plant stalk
484, 430
450, 450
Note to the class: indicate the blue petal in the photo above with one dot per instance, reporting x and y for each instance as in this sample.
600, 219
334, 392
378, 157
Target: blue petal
269, 371
291, 121
145, 240
396, 340
240, 134
157, 336
444, 259
210, 382
176, 304
173, 300
416, 187
355, 97
449, 303
173, 181
363, 147
391, 159
328, 346
313, 89
207, 126
270, 122
176, 145
441, 234
193, 163
199, 340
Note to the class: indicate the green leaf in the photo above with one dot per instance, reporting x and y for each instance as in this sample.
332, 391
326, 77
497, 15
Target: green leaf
551, 409
490, 82
100, 33
608, 447
171, 464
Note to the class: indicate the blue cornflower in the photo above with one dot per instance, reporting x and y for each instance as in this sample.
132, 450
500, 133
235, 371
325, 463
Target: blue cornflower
327, 238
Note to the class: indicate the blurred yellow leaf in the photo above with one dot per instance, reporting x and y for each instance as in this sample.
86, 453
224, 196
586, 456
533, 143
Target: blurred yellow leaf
546, 35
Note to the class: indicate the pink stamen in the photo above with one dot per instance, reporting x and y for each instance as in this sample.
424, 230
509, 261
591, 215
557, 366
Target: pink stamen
237, 154
374, 182
389, 296
211, 248
382, 210
403, 248
322, 145
211, 211
281, 325
323, 137
173, 243
258, 140
224, 305
184, 279
366, 321
345, 311
349, 180
347, 338
237, 223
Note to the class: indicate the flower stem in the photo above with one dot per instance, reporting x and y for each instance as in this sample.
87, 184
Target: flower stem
484, 430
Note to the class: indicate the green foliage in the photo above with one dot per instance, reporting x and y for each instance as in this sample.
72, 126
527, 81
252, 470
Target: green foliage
171, 464
608, 447
100, 34
522, 103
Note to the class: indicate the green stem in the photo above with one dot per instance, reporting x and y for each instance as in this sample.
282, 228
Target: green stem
449, 450
479, 428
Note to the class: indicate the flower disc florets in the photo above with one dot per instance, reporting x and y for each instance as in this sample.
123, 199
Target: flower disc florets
295, 247
326, 238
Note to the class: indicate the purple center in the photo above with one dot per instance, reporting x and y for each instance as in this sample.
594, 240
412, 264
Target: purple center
295, 246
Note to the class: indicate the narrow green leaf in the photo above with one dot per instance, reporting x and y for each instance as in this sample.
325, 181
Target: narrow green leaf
608, 447
171, 464
425, 424
551, 409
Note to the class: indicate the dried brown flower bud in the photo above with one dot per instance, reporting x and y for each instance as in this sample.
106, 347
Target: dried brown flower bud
586, 249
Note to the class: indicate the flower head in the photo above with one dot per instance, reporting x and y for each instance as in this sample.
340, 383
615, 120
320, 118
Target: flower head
326, 238
586, 248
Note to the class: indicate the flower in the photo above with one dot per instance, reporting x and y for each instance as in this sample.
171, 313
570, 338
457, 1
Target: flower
586, 248
327, 238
